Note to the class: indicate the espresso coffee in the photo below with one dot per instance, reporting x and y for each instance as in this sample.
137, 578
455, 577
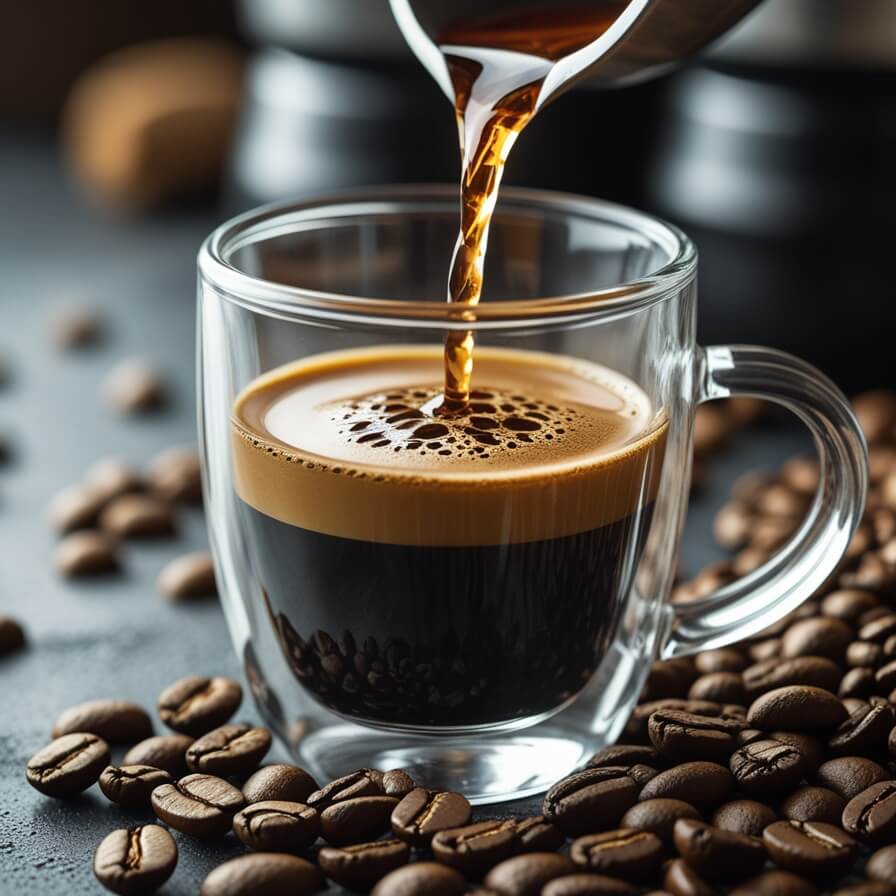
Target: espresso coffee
444, 571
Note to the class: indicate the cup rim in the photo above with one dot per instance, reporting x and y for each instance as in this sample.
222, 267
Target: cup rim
292, 302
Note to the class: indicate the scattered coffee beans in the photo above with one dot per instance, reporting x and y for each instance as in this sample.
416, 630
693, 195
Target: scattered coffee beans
277, 826
137, 516
360, 866
74, 326
115, 721
359, 819
165, 751
176, 475
810, 847
136, 860
188, 577
767, 766
397, 782
195, 705
626, 853
12, 636
776, 883
592, 800
882, 866
871, 814
110, 477
538, 835
423, 813
714, 853
744, 817
702, 784
279, 782
588, 885
526, 875
363, 782
797, 708
68, 765
133, 387
75, 507
658, 817
229, 750
813, 804
198, 805
421, 879
132, 785
86, 553
271, 873
476, 848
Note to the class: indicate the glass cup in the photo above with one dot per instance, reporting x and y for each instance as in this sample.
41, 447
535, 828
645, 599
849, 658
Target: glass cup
485, 630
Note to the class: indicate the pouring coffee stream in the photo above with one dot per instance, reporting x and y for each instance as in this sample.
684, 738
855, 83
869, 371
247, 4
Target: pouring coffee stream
499, 62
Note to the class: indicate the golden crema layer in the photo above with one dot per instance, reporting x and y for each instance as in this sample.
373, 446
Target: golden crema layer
346, 444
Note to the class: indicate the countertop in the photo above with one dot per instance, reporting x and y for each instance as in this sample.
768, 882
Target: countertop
116, 636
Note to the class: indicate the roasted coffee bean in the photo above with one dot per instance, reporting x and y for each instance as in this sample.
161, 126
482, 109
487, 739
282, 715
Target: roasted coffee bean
360, 866
681, 880
796, 708
198, 805
762, 651
722, 659
885, 677
592, 800
848, 604
229, 750
136, 860
879, 629
858, 682
882, 866
876, 412
537, 835
110, 477
86, 553
277, 826
682, 736
68, 765
865, 731
810, 847
864, 654
722, 687
75, 326
12, 636
714, 853
867, 888
188, 577
811, 747
748, 560
137, 516
813, 804
196, 704
115, 721
704, 785
423, 879
871, 814
873, 614
816, 671
75, 507
588, 885
820, 636
474, 849
423, 813
132, 785
176, 475
133, 387
270, 873
775, 883
279, 782
165, 751
850, 775
658, 817
669, 678
624, 755
526, 875
767, 766
627, 853
636, 727
744, 817
364, 782
358, 820
397, 782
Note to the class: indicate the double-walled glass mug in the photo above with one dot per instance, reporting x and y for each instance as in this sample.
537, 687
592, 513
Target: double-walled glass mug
474, 598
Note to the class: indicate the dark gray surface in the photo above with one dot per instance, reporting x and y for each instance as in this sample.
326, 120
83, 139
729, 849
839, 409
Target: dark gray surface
117, 637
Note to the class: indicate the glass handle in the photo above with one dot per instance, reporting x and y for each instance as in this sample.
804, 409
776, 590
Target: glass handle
751, 603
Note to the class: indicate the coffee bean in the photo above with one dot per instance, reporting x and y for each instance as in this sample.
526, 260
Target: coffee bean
850, 775
422, 879
813, 804
658, 817
858, 682
878, 630
195, 705
229, 750
271, 873
198, 805
627, 853
537, 835
722, 659
75, 507
714, 853
397, 782
796, 708
876, 412
277, 826
822, 636
866, 888
624, 755
885, 677
137, 516
871, 814
86, 553
75, 326
723, 687
744, 817
592, 800
68, 765
476, 848
423, 813
682, 737
864, 654
681, 880
636, 727
133, 387
810, 847
874, 573
702, 784
668, 678
364, 782
360, 866
767, 766
865, 731
748, 560
848, 604
588, 885
811, 747
176, 475
816, 671
110, 477
358, 820
526, 875
761, 651
165, 751
135, 860
279, 782
188, 577
775, 883
882, 866
115, 721
733, 525
12, 636
132, 785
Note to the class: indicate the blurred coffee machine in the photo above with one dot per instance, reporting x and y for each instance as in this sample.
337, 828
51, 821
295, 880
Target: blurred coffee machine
777, 156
